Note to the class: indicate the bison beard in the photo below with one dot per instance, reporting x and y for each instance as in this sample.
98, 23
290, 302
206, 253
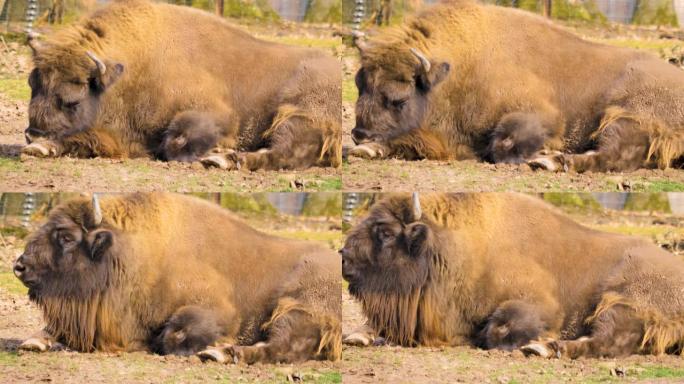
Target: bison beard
129, 82
427, 89
143, 273
486, 286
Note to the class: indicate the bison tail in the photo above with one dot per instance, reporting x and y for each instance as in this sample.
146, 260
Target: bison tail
665, 143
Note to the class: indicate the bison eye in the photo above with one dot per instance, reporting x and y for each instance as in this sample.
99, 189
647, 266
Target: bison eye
385, 234
66, 240
399, 104
72, 106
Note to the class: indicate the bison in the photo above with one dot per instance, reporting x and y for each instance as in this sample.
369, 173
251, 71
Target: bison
470, 81
140, 79
178, 275
507, 271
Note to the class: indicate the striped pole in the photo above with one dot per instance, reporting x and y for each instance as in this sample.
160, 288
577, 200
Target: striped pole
351, 201
31, 13
29, 206
359, 14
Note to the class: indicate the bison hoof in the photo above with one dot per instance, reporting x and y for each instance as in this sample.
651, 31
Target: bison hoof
219, 161
358, 339
212, 355
35, 345
367, 151
543, 350
41, 149
553, 163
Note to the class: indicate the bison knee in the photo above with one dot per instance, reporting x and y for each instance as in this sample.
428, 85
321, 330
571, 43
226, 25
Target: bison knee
517, 137
188, 331
513, 325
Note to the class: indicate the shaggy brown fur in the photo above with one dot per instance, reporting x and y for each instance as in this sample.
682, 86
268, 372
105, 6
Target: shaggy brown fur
502, 270
163, 61
175, 274
491, 65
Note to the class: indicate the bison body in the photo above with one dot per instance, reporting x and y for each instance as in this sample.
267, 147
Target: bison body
175, 274
114, 84
504, 271
452, 80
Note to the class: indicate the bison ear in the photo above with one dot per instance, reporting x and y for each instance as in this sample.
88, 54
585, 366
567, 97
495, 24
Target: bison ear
102, 241
102, 81
416, 238
437, 73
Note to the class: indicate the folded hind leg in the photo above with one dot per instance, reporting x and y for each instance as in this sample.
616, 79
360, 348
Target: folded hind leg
296, 141
617, 330
296, 332
623, 145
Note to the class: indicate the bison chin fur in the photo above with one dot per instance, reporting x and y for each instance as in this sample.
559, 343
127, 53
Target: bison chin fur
402, 305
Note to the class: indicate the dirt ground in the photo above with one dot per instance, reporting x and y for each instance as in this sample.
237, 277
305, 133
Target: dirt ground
19, 319
427, 175
69, 174
391, 364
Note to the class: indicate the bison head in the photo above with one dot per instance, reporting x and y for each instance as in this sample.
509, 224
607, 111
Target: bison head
66, 91
389, 251
393, 93
67, 256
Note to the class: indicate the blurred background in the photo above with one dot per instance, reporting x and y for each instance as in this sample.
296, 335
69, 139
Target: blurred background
640, 12
14, 12
658, 217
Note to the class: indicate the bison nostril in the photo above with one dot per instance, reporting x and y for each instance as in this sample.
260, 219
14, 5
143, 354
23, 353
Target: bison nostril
31, 133
359, 135
19, 268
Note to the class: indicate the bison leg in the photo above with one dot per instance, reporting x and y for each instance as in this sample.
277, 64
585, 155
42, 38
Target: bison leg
362, 337
617, 329
516, 138
625, 143
92, 143
189, 330
296, 332
370, 151
40, 342
297, 141
513, 324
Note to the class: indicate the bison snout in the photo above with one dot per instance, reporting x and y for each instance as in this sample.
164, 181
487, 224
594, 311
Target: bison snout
19, 267
30, 134
360, 135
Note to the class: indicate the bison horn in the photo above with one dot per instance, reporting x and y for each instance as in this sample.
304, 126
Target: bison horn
417, 213
423, 60
97, 212
100, 65
32, 40
358, 40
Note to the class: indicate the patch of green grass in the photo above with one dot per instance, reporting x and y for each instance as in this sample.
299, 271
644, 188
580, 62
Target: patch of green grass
19, 232
658, 372
659, 186
349, 91
332, 184
10, 283
8, 358
9, 165
15, 88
